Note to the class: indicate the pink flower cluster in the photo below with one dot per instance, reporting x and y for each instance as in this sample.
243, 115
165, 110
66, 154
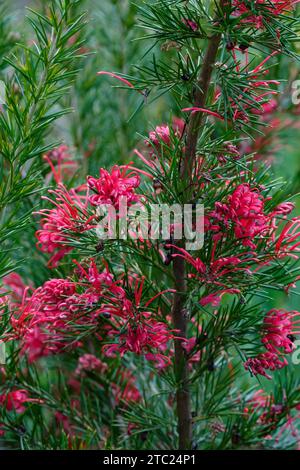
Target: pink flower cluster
74, 210
274, 7
190, 24
137, 329
278, 334
243, 214
47, 321
61, 163
245, 211
160, 135
110, 186
41, 316
255, 98
272, 415
15, 400
125, 390
88, 363
70, 215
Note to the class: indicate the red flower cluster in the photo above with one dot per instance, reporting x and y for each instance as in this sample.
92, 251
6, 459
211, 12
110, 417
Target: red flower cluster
74, 211
278, 333
109, 187
47, 321
89, 362
244, 8
15, 400
279, 327
70, 215
245, 211
40, 318
125, 390
61, 163
161, 134
137, 329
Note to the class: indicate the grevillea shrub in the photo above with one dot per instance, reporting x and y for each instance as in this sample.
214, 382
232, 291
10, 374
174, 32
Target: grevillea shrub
142, 341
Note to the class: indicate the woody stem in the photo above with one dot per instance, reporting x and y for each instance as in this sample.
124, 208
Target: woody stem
183, 396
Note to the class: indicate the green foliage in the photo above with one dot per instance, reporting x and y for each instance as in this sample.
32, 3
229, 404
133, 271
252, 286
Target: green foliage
40, 76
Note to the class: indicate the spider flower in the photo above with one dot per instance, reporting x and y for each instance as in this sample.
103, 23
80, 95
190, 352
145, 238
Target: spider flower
15, 400
257, 11
111, 186
245, 210
279, 328
61, 164
136, 328
69, 215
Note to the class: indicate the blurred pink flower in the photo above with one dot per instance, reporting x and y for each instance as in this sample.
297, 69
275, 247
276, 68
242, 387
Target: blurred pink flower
15, 400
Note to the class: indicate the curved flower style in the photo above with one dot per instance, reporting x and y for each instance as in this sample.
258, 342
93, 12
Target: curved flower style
218, 274
265, 361
125, 390
288, 241
143, 335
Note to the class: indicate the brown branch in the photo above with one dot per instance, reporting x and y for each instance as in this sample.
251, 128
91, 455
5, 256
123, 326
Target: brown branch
179, 314
183, 398
200, 97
